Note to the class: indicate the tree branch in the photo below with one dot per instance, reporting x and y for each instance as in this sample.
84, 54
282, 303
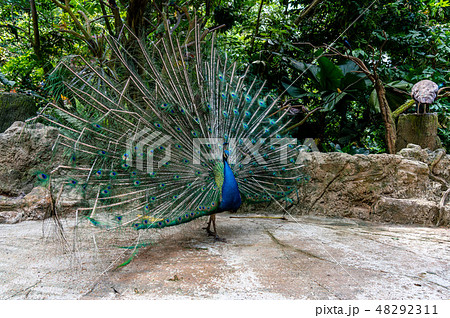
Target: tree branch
85, 31
304, 119
402, 108
307, 11
66, 7
72, 32
86, 21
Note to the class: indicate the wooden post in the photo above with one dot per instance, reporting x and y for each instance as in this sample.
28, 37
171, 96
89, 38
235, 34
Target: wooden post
419, 129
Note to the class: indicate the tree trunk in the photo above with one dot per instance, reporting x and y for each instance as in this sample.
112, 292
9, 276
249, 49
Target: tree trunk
36, 43
419, 129
135, 16
36, 40
387, 116
257, 26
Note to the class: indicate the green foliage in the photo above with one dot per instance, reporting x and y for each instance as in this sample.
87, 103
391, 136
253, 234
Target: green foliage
6, 81
18, 59
277, 43
350, 149
326, 82
394, 99
442, 108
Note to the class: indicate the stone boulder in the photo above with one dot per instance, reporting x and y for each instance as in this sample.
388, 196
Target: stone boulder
15, 107
416, 211
36, 205
408, 187
25, 150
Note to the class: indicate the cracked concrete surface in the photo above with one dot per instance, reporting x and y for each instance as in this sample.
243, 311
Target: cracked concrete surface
306, 258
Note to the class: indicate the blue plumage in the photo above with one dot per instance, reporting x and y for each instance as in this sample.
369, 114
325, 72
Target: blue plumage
231, 198
347, 44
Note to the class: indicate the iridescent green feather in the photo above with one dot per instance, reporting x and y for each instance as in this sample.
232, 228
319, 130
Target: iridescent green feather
116, 127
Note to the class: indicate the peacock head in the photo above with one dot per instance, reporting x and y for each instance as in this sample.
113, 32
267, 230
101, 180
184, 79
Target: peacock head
226, 153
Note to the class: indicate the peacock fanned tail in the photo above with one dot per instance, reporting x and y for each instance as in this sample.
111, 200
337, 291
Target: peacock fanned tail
144, 134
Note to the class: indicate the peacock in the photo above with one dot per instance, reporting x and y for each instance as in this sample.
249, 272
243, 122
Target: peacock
165, 132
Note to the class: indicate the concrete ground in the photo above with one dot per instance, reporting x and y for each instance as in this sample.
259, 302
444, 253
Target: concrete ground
306, 258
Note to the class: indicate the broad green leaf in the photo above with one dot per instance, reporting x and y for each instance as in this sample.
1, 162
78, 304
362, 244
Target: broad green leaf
332, 99
293, 91
403, 85
349, 67
373, 101
309, 70
353, 82
296, 92
330, 74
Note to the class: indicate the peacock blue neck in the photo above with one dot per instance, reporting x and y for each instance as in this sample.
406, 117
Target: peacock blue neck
231, 198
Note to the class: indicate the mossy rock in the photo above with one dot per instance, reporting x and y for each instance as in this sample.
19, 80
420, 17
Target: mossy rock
418, 129
15, 107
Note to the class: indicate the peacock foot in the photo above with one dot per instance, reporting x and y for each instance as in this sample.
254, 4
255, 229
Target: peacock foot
210, 233
213, 233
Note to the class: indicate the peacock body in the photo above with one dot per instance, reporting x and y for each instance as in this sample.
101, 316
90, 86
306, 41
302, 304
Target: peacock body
169, 134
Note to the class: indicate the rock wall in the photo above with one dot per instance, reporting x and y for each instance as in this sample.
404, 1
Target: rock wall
33, 206
404, 188
25, 149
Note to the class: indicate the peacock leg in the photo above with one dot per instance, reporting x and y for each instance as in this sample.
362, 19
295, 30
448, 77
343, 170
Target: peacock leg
208, 228
212, 220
